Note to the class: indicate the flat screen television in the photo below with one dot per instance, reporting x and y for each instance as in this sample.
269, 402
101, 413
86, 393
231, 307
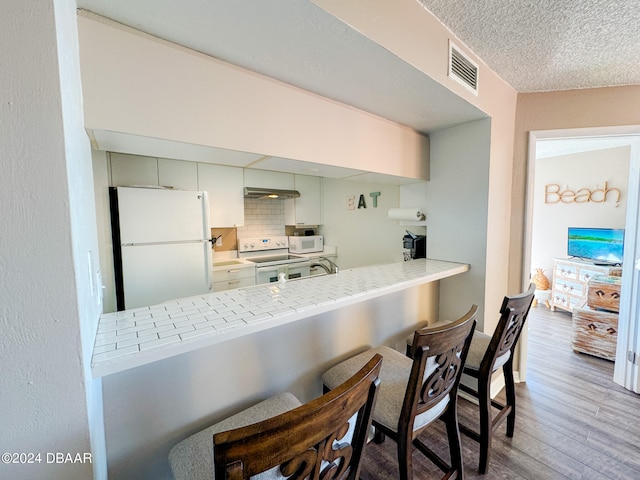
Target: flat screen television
600, 245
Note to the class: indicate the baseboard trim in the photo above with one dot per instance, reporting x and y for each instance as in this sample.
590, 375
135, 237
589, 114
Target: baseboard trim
467, 397
497, 384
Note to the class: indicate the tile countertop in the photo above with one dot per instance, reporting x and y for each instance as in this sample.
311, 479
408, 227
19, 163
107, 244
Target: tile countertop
131, 338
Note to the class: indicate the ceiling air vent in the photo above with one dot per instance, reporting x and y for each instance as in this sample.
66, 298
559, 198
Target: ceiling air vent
462, 69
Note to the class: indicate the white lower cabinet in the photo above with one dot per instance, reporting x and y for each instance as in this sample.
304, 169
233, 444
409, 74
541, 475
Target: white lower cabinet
236, 276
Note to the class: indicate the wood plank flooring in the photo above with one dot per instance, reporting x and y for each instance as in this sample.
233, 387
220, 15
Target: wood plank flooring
572, 421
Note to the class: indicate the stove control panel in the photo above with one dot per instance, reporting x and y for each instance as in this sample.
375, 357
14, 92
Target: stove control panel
262, 244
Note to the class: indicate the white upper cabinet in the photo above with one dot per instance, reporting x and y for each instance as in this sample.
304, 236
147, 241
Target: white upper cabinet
129, 170
224, 186
268, 179
306, 209
177, 174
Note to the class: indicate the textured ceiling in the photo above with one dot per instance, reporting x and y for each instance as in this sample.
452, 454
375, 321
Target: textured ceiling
547, 45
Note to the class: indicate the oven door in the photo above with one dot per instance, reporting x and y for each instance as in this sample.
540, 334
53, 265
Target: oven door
269, 274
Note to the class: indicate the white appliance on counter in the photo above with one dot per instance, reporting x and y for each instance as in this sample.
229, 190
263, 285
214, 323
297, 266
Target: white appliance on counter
306, 244
161, 245
271, 256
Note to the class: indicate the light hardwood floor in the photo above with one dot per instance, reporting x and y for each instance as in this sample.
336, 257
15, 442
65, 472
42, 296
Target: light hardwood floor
572, 421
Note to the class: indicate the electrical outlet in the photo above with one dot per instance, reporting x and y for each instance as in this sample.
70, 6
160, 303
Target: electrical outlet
219, 241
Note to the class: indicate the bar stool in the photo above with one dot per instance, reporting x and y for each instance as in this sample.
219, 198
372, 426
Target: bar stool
415, 393
486, 355
280, 437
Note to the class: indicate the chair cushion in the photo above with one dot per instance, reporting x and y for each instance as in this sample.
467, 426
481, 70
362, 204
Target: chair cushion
394, 376
479, 345
192, 458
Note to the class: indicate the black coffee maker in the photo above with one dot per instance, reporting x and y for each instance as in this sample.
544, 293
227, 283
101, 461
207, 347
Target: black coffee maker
415, 246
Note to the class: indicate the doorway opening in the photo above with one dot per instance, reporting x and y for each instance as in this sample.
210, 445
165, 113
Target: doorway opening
626, 372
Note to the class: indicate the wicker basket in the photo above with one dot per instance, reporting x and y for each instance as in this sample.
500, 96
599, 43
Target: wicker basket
541, 280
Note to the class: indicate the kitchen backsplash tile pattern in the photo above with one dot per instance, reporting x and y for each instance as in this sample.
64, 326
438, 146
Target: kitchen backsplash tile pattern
263, 217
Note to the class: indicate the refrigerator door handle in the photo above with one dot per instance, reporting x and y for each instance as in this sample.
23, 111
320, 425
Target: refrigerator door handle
143, 244
210, 241
208, 274
205, 216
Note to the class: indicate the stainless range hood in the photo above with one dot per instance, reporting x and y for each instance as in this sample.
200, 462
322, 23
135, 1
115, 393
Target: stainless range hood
255, 192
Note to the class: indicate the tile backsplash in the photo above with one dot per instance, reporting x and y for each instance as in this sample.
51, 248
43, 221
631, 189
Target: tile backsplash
263, 217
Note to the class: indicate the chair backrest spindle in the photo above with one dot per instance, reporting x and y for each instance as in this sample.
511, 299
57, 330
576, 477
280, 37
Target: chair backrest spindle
513, 314
439, 354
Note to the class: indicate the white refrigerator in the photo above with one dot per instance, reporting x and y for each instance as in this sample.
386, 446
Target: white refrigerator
161, 245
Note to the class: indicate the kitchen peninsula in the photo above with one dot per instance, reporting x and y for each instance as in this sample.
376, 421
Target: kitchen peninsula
170, 370
131, 338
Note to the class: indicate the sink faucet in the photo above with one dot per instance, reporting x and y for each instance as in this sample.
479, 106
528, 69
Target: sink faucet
335, 267
322, 266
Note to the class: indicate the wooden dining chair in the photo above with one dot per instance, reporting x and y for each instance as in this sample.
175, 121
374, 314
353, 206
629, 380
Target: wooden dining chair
415, 393
487, 354
280, 437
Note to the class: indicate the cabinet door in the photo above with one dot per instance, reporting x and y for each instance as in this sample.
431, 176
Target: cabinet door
268, 179
228, 278
129, 170
307, 209
226, 199
177, 174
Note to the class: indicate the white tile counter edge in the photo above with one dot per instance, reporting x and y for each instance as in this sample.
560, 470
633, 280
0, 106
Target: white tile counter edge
132, 338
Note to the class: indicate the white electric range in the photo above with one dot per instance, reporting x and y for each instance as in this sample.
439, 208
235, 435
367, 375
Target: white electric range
272, 258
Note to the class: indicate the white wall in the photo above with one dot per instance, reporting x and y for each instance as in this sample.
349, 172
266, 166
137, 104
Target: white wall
48, 247
456, 201
364, 236
580, 170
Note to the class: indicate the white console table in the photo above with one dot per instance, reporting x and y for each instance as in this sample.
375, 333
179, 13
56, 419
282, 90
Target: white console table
570, 277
